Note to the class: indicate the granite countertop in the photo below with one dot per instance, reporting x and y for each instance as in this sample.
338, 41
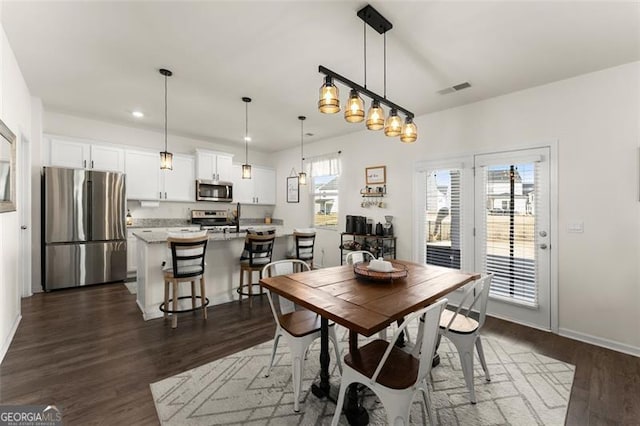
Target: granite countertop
153, 237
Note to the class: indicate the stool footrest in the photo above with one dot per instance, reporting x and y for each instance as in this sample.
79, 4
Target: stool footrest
242, 293
179, 311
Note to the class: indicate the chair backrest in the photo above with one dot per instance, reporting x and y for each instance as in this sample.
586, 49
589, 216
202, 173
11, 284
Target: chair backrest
258, 248
426, 339
475, 300
304, 244
358, 256
187, 255
282, 267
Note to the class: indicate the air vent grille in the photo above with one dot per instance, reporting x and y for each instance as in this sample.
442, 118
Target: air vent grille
455, 88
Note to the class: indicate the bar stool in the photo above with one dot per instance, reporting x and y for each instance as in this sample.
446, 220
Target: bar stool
305, 242
187, 265
258, 250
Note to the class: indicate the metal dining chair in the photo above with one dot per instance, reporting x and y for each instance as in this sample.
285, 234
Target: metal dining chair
299, 327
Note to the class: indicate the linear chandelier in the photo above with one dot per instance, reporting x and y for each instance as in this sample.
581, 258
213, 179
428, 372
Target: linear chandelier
329, 102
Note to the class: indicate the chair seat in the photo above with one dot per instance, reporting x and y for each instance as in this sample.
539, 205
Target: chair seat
300, 323
193, 269
461, 324
257, 261
399, 372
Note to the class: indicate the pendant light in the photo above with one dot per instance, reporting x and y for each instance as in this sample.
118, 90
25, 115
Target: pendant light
329, 102
302, 176
354, 113
246, 167
393, 125
375, 117
166, 158
409, 131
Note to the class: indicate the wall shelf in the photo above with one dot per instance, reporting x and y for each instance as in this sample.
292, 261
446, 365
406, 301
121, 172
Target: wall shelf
379, 246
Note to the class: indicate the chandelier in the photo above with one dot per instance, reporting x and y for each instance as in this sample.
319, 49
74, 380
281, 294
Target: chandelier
329, 101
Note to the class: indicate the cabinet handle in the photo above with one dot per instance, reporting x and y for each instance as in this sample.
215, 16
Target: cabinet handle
84, 162
161, 195
165, 195
92, 164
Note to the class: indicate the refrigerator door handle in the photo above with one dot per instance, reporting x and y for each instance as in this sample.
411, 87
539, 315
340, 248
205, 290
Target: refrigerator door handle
88, 208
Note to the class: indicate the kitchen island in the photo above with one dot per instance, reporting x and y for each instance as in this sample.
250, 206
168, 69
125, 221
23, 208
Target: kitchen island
222, 270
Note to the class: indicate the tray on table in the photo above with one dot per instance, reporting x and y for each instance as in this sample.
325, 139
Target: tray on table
361, 269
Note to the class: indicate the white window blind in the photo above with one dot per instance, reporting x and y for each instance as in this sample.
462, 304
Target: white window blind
508, 230
324, 172
443, 217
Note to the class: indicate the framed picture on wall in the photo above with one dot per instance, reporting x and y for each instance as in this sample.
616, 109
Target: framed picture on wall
376, 175
293, 190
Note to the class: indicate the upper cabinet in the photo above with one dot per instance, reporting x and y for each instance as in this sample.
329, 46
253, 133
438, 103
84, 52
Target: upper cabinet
211, 165
260, 189
83, 155
145, 180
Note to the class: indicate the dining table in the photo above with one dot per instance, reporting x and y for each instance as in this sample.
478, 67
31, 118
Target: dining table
364, 305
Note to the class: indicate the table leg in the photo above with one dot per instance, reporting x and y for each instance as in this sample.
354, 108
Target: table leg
356, 414
321, 390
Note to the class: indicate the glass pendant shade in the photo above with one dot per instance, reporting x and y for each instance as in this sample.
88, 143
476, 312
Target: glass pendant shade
354, 112
129, 218
166, 160
409, 131
329, 102
393, 126
246, 171
375, 117
302, 178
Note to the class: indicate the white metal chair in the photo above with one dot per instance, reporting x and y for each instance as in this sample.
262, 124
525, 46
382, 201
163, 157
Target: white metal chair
464, 331
358, 256
299, 327
393, 374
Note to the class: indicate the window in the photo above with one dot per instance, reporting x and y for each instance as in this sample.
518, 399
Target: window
325, 177
443, 219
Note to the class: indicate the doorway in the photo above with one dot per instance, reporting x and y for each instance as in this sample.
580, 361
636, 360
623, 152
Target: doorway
24, 215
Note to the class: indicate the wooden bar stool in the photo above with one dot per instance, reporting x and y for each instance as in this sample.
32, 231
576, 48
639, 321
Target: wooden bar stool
187, 265
305, 242
258, 250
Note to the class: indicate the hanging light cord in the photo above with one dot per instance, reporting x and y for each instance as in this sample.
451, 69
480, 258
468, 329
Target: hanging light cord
364, 25
301, 144
165, 113
246, 132
385, 65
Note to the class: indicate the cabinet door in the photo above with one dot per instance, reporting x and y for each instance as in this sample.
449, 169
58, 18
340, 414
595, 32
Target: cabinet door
143, 175
206, 164
131, 254
180, 183
69, 154
107, 158
224, 167
264, 185
242, 188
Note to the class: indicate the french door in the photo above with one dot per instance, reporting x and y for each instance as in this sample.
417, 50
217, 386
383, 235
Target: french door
512, 233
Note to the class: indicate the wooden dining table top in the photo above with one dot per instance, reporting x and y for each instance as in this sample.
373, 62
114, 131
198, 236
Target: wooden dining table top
366, 306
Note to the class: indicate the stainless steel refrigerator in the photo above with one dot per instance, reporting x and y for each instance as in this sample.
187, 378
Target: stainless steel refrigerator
84, 231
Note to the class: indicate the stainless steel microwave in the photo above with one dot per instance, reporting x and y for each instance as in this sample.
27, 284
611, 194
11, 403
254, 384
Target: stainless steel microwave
208, 190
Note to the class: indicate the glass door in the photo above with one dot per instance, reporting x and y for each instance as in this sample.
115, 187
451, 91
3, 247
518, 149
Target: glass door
512, 233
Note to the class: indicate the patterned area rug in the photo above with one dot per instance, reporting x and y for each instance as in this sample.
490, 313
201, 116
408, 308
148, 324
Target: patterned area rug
525, 389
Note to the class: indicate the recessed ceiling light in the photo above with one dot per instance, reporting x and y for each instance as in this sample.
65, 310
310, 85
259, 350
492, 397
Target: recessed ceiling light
137, 114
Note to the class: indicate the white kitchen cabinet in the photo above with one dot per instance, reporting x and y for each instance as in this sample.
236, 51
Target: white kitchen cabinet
211, 165
145, 180
260, 189
143, 175
179, 184
131, 253
84, 155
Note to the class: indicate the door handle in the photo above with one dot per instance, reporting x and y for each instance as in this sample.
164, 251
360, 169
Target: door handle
543, 246
542, 233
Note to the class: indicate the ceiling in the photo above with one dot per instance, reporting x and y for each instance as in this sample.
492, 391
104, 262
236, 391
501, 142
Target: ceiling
101, 59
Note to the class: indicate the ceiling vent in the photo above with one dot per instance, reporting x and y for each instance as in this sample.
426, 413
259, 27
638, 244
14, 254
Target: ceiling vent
456, 88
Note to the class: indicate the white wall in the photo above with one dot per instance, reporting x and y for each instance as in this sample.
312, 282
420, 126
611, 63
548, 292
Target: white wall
15, 111
595, 119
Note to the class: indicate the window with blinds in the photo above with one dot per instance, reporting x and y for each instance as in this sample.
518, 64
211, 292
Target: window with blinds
508, 225
325, 178
443, 218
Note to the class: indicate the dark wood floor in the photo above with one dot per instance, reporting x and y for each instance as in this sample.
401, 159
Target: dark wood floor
89, 351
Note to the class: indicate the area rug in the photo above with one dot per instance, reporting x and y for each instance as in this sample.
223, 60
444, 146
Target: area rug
526, 388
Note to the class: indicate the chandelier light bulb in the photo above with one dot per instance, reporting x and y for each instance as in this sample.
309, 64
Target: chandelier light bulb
375, 117
329, 102
409, 131
393, 126
354, 113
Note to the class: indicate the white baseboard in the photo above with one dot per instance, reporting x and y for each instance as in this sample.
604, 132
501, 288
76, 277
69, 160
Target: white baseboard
599, 341
9, 339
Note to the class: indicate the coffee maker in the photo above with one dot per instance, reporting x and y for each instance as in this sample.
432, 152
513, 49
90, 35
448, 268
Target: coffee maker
387, 228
